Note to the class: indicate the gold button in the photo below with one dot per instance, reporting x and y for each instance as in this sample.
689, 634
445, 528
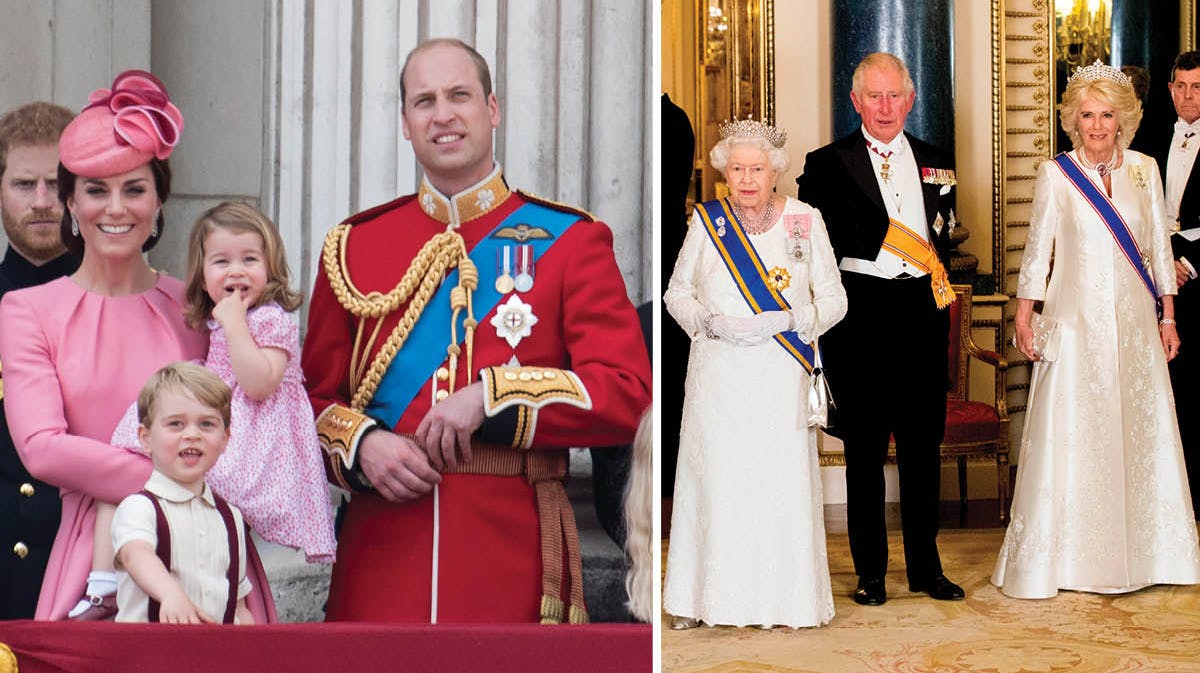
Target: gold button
537, 376
441, 395
510, 376
550, 374
27, 490
443, 374
20, 550
524, 376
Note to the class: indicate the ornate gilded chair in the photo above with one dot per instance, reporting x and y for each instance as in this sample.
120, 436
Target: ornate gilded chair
974, 430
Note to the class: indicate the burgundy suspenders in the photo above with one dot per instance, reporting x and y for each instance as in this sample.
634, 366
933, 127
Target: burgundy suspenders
163, 550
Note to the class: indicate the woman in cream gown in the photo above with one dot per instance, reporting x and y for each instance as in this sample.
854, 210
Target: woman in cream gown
747, 538
1101, 501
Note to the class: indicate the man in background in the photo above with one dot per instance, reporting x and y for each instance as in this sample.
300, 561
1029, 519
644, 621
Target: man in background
30, 209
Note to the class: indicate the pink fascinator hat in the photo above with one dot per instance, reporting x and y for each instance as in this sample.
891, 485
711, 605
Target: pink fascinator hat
121, 128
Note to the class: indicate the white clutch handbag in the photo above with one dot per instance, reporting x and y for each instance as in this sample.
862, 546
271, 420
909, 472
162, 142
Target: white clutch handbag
1046, 337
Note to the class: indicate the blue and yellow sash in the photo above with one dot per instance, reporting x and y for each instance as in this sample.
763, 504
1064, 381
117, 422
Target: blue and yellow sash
1112, 219
425, 349
748, 273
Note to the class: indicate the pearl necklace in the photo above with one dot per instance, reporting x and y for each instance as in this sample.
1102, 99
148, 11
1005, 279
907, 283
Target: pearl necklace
764, 223
1104, 167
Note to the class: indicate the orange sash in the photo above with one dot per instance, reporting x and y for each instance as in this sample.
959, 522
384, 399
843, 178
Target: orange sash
907, 245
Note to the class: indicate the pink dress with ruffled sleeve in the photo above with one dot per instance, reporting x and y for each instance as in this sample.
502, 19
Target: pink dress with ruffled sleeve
272, 469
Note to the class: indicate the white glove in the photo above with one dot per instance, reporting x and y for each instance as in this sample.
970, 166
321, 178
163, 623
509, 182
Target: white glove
770, 323
804, 319
748, 331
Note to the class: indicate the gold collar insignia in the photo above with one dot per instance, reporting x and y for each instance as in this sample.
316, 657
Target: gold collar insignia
473, 202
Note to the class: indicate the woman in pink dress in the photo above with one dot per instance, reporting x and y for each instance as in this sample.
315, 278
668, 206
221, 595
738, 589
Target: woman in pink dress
77, 350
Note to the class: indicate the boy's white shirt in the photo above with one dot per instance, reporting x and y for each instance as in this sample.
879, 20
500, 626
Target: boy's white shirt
199, 547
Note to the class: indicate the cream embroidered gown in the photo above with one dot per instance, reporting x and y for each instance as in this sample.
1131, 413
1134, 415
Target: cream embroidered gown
1101, 501
747, 530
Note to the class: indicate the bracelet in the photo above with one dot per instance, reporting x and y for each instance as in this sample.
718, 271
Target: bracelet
707, 323
1167, 321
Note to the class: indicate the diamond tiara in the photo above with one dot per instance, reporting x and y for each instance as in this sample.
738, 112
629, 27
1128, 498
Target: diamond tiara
748, 128
1097, 71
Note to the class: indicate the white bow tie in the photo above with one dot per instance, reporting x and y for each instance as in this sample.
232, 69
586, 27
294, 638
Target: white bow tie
1184, 127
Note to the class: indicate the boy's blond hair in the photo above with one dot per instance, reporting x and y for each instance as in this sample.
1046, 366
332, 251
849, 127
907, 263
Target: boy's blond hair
200, 383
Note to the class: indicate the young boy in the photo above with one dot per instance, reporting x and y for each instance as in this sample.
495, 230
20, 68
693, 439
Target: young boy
174, 540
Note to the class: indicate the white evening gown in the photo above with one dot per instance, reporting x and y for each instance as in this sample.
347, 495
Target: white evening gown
1101, 501
747, 530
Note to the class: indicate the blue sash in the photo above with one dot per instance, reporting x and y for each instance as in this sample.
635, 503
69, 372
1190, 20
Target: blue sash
425, 349
1112, 219
746, 269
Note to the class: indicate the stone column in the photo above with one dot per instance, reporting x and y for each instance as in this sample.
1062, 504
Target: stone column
920, 33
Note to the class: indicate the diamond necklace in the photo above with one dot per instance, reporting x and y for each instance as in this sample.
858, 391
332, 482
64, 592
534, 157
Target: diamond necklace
764, 223
1103, 167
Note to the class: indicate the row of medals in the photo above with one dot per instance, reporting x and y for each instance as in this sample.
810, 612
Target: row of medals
797, 246
523, 280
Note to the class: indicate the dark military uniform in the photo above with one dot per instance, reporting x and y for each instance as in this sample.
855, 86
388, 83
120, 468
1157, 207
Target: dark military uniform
29, 509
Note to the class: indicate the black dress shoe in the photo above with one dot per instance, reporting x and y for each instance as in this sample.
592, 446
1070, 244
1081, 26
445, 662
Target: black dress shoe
870, 591
940, 588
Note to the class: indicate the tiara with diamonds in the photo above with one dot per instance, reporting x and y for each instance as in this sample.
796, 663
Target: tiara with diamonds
748, 128
1097, 71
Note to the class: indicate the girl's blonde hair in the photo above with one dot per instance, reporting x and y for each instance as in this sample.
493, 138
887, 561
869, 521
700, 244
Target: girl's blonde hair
639, 522
238, 218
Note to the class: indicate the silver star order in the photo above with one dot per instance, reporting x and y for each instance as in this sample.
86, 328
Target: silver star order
514, 320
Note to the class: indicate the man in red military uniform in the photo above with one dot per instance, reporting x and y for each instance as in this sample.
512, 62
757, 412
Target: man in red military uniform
448, 386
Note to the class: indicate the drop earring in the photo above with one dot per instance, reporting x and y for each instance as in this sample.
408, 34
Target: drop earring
154, 230
74, 225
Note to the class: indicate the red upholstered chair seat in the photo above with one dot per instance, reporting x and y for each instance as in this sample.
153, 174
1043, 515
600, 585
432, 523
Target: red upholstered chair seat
968, 421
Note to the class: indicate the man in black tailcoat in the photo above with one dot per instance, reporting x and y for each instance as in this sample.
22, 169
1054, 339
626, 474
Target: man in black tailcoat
1181, 181
887, 199
30, 209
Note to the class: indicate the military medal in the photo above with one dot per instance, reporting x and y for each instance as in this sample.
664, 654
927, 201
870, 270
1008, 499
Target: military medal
524, 279
514, 320
797, 227
885, 170
504, 281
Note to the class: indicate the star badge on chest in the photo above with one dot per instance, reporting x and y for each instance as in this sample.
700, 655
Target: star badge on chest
514, 320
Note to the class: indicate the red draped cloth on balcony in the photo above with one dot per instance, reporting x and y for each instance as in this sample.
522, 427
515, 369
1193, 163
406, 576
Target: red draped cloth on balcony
103, 647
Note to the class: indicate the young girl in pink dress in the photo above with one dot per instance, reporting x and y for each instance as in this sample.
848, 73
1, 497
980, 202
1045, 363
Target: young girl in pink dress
238, 289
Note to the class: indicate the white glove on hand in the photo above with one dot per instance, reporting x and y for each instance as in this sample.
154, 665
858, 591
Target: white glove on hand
804, 318
770, 323
748, 331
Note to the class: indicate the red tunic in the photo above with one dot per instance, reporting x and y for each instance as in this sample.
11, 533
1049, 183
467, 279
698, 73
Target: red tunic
489, 559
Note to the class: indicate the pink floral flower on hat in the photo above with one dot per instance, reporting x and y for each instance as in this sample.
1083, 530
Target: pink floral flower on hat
144, 117
123, 127
797, 225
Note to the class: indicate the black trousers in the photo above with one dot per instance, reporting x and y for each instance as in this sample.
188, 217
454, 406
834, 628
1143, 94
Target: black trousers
886, 363
1185, 369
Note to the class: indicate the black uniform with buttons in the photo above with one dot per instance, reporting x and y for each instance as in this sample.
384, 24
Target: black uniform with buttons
29, 509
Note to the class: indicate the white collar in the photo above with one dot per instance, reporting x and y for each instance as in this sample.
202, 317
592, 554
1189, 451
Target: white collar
168, 489
898, 145
1184, 127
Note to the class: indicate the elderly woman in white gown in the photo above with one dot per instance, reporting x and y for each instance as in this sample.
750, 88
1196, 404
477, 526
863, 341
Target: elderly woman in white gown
1101, 501
755, 283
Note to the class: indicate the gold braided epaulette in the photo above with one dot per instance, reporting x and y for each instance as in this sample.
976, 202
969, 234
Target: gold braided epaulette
556, 205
